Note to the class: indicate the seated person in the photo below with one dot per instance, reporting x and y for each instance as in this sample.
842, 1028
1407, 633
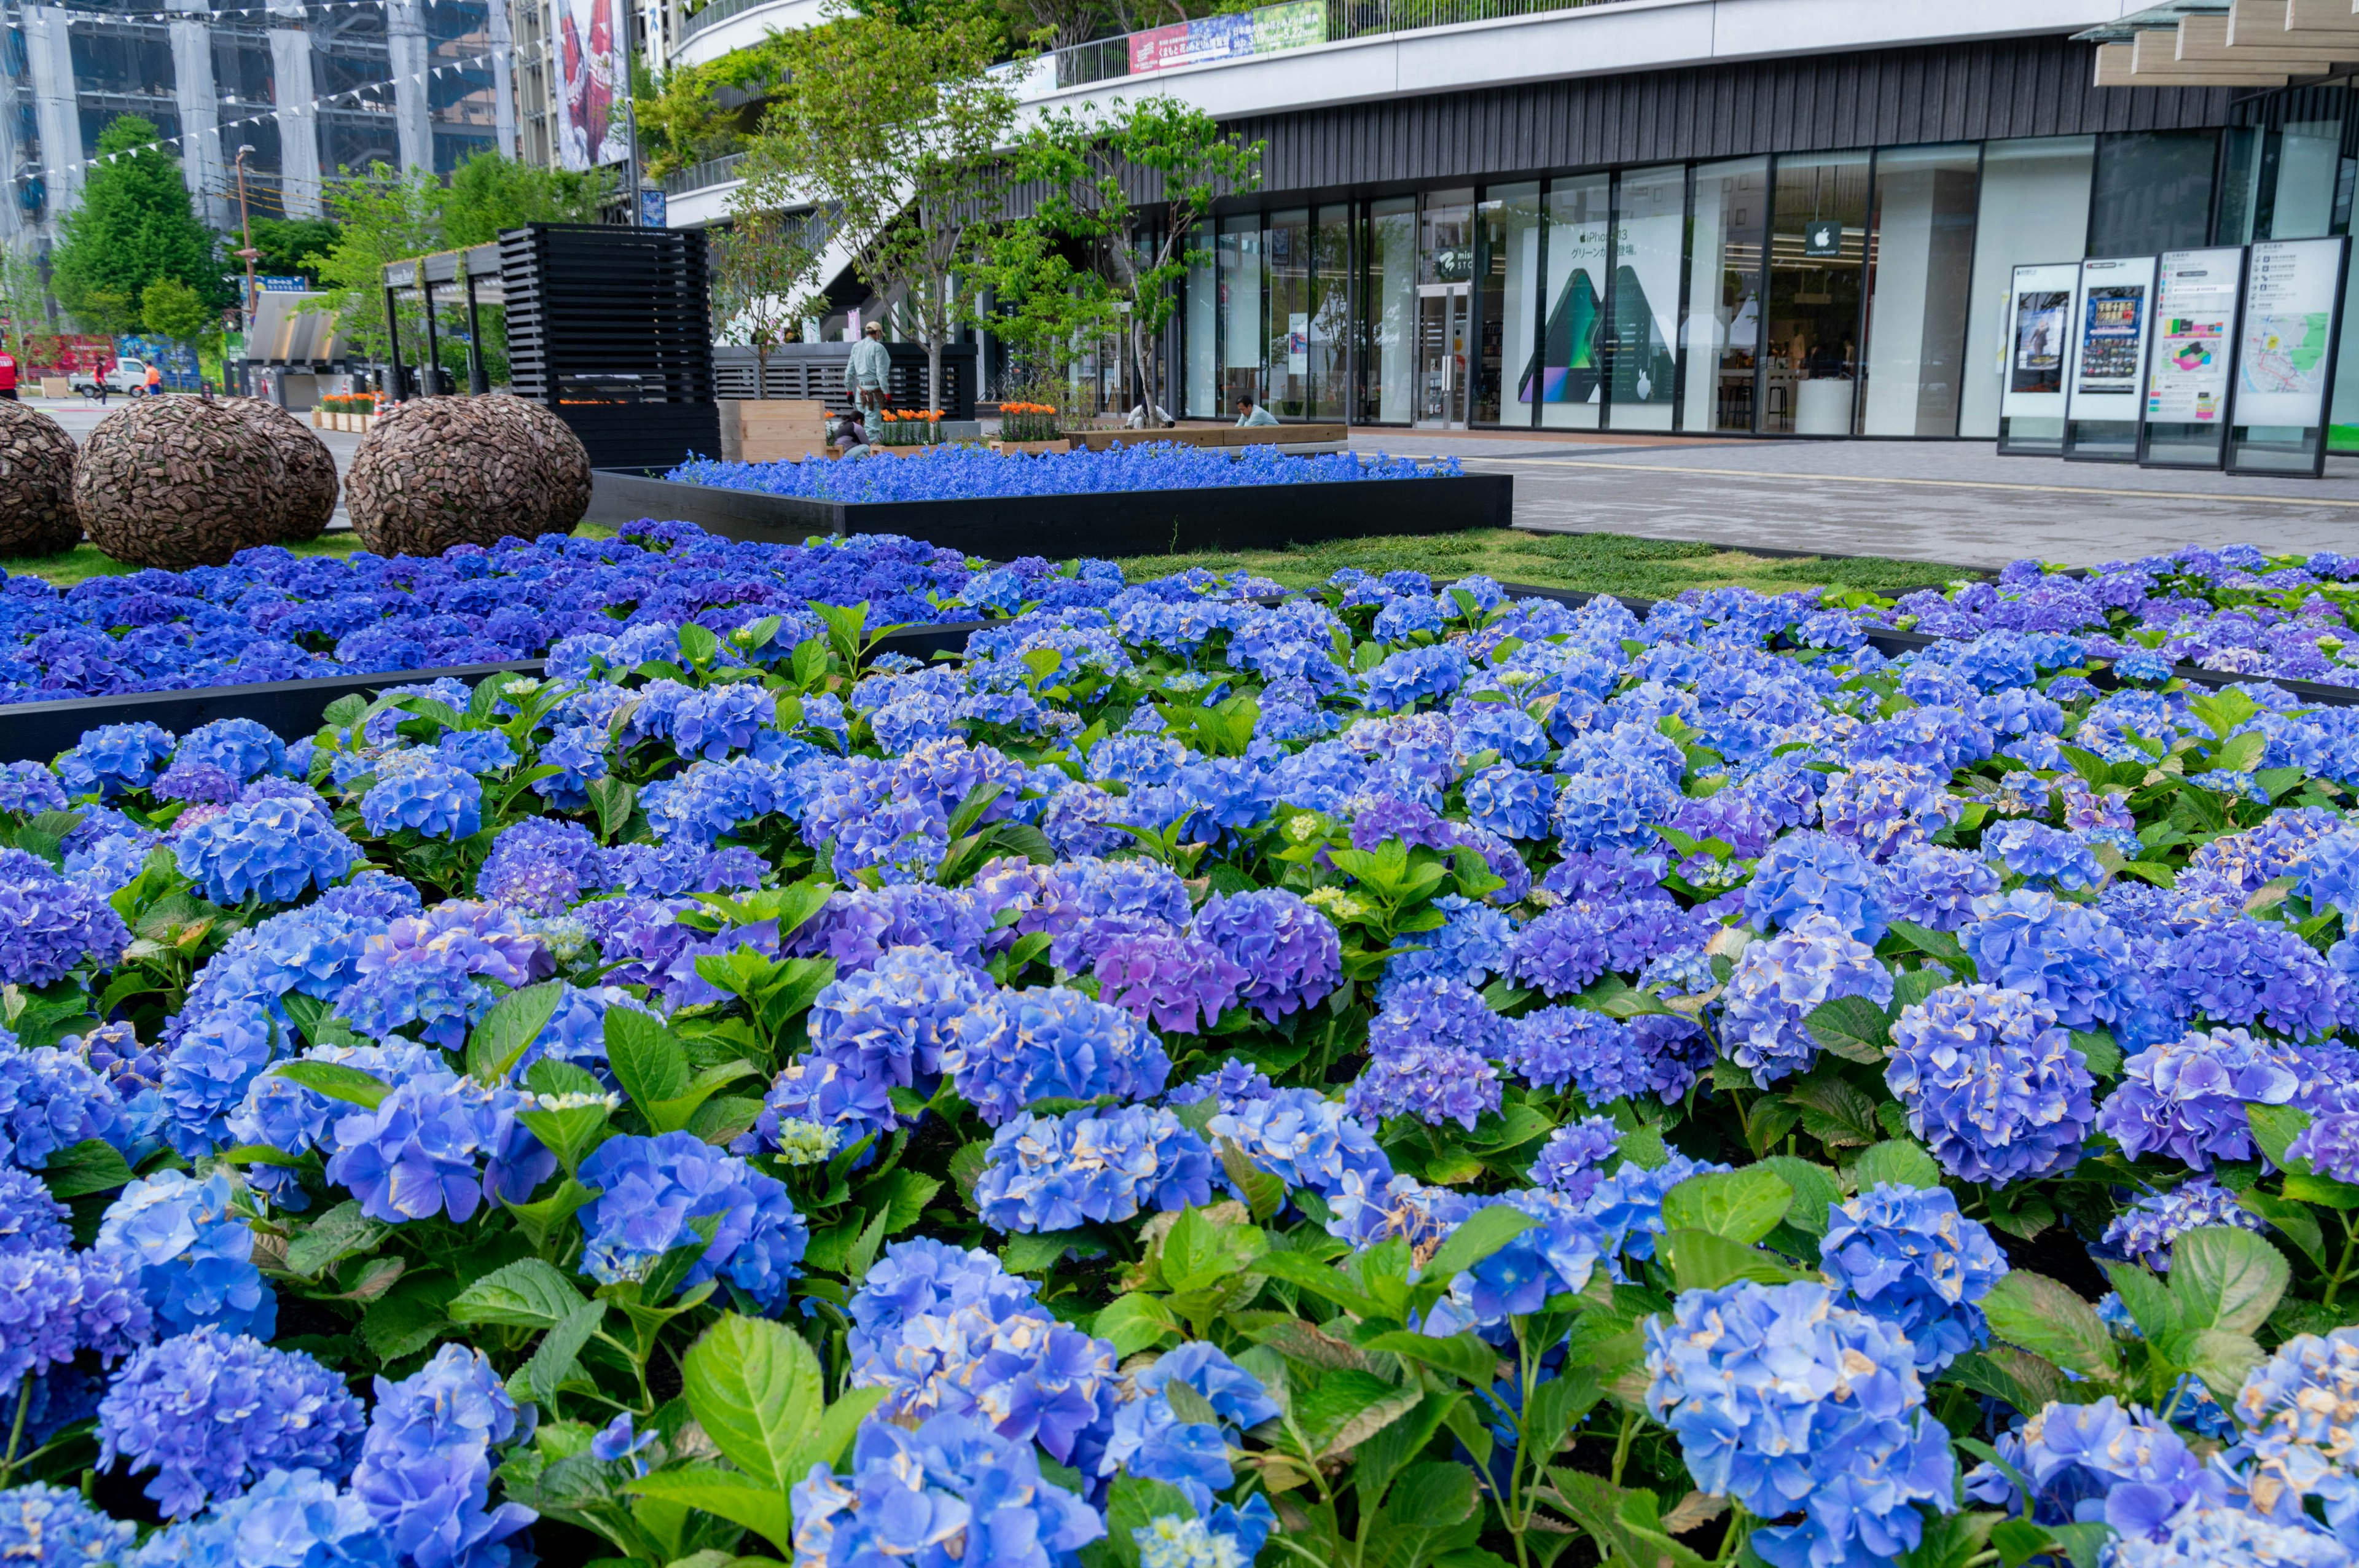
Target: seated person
1138, 419
850, 435
1251, 412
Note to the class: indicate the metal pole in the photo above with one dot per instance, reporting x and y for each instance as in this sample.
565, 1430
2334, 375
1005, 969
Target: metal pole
245, 227
393, 334
631, 131
479, 374
430, 378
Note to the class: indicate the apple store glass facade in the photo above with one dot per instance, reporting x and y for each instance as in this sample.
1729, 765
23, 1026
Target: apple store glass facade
1852, 293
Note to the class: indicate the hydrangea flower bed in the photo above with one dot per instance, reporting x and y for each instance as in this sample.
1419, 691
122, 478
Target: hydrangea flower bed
977, 473
1387, 1079
271, 616
2237, 609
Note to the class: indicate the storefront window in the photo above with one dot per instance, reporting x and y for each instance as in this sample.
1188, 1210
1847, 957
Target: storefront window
1445, 276
1817, 247
2032, 207
2152, 192
1387, 368
1241, 314
1723, 321
1331, 311
1572, 346
1202, 329
1919, 258
1287, 244
1649, 226
1510, 263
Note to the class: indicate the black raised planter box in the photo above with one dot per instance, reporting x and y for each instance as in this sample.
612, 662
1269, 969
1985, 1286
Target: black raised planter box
1126, 523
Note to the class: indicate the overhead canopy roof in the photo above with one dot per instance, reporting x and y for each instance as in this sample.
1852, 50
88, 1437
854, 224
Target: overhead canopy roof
2227, 43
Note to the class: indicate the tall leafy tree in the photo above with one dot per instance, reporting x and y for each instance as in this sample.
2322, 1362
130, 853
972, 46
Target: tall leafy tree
761, 266
293, 245
894, 128
1090, 162
135, 225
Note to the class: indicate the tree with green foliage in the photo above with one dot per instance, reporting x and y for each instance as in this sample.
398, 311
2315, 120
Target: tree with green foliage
135, 225
385, 216
293, 247
1089, 161
761, 266
894, 130
23, 295
1044, 307
171, 309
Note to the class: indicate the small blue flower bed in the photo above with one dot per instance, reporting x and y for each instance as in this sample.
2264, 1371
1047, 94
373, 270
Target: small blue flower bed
975, 473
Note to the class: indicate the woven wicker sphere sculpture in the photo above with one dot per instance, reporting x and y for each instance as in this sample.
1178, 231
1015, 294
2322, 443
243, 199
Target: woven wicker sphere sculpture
438, 472
36, 469
177, 482
568, 460
308, 498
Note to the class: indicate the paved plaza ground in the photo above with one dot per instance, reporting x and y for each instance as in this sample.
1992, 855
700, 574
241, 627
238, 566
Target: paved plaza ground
1954, 502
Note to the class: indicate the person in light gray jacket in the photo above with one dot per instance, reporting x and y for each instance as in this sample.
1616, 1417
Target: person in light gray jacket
868, 373
1251, 412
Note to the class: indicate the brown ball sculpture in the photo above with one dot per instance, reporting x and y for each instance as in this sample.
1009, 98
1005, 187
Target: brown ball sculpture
36, 468
568, 460
438, 472
308, 498
177, 482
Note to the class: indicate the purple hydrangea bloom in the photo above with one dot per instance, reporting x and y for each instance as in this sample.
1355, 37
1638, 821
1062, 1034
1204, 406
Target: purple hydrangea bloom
55, 1305
1905, 1255
2246, 972
1290, 952
1935, 887
51, 926
652, 1188
1174, 980
52, 1099
1882, 809
2145, 1230
1018, 1046
211, 1413
1055, 1172
1572, 1162
1993, 1088
1779, 983
2187, 1099
1602, 1058
1433, 1081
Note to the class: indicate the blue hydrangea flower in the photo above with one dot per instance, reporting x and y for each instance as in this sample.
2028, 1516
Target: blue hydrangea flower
241, 747
1626, 1207
273, 850
1433, 1081
425, 1469
541, 865
2065, 955
1018, 1047
212, 1413
1618, 809
921, 1278
1149, 1440
2145, 1230
2295, 1410
1055, 1172
2187, 1099
1291, 955
2201, 1535
114, 758
1777, 984
891, 1022
51, 926
1303, 1139
1884, 808
1511, 802
194, 1256
1787, 1402
417, 1153
1170, 1540
1554, 1256
2249, 972
2096, 1462
1573, 1160
1934, 886
1992, 1086
48, 1527
652, 1188
31, 1220
55, 1305
434, 799
304, 1519
52, 1099
1812, 873
1000, 1359
952, 1494
815, 1098
1905, 1255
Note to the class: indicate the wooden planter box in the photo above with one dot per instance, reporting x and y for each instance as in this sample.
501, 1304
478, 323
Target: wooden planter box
1128, 523
1029, 449
772, 429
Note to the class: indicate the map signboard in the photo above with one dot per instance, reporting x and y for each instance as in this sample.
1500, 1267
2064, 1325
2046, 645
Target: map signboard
2284, 348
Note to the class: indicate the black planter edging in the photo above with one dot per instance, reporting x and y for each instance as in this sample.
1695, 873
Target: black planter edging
1124, 523
37, 732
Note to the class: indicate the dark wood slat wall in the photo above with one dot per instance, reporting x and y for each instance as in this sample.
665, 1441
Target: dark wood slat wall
1971, 92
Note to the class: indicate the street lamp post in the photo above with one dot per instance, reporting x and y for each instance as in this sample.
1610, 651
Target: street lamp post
247, 254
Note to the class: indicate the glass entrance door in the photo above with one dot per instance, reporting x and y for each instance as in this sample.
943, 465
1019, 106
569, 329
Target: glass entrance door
1441, 312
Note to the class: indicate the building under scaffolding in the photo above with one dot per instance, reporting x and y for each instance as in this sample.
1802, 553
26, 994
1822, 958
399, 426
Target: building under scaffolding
415, 85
